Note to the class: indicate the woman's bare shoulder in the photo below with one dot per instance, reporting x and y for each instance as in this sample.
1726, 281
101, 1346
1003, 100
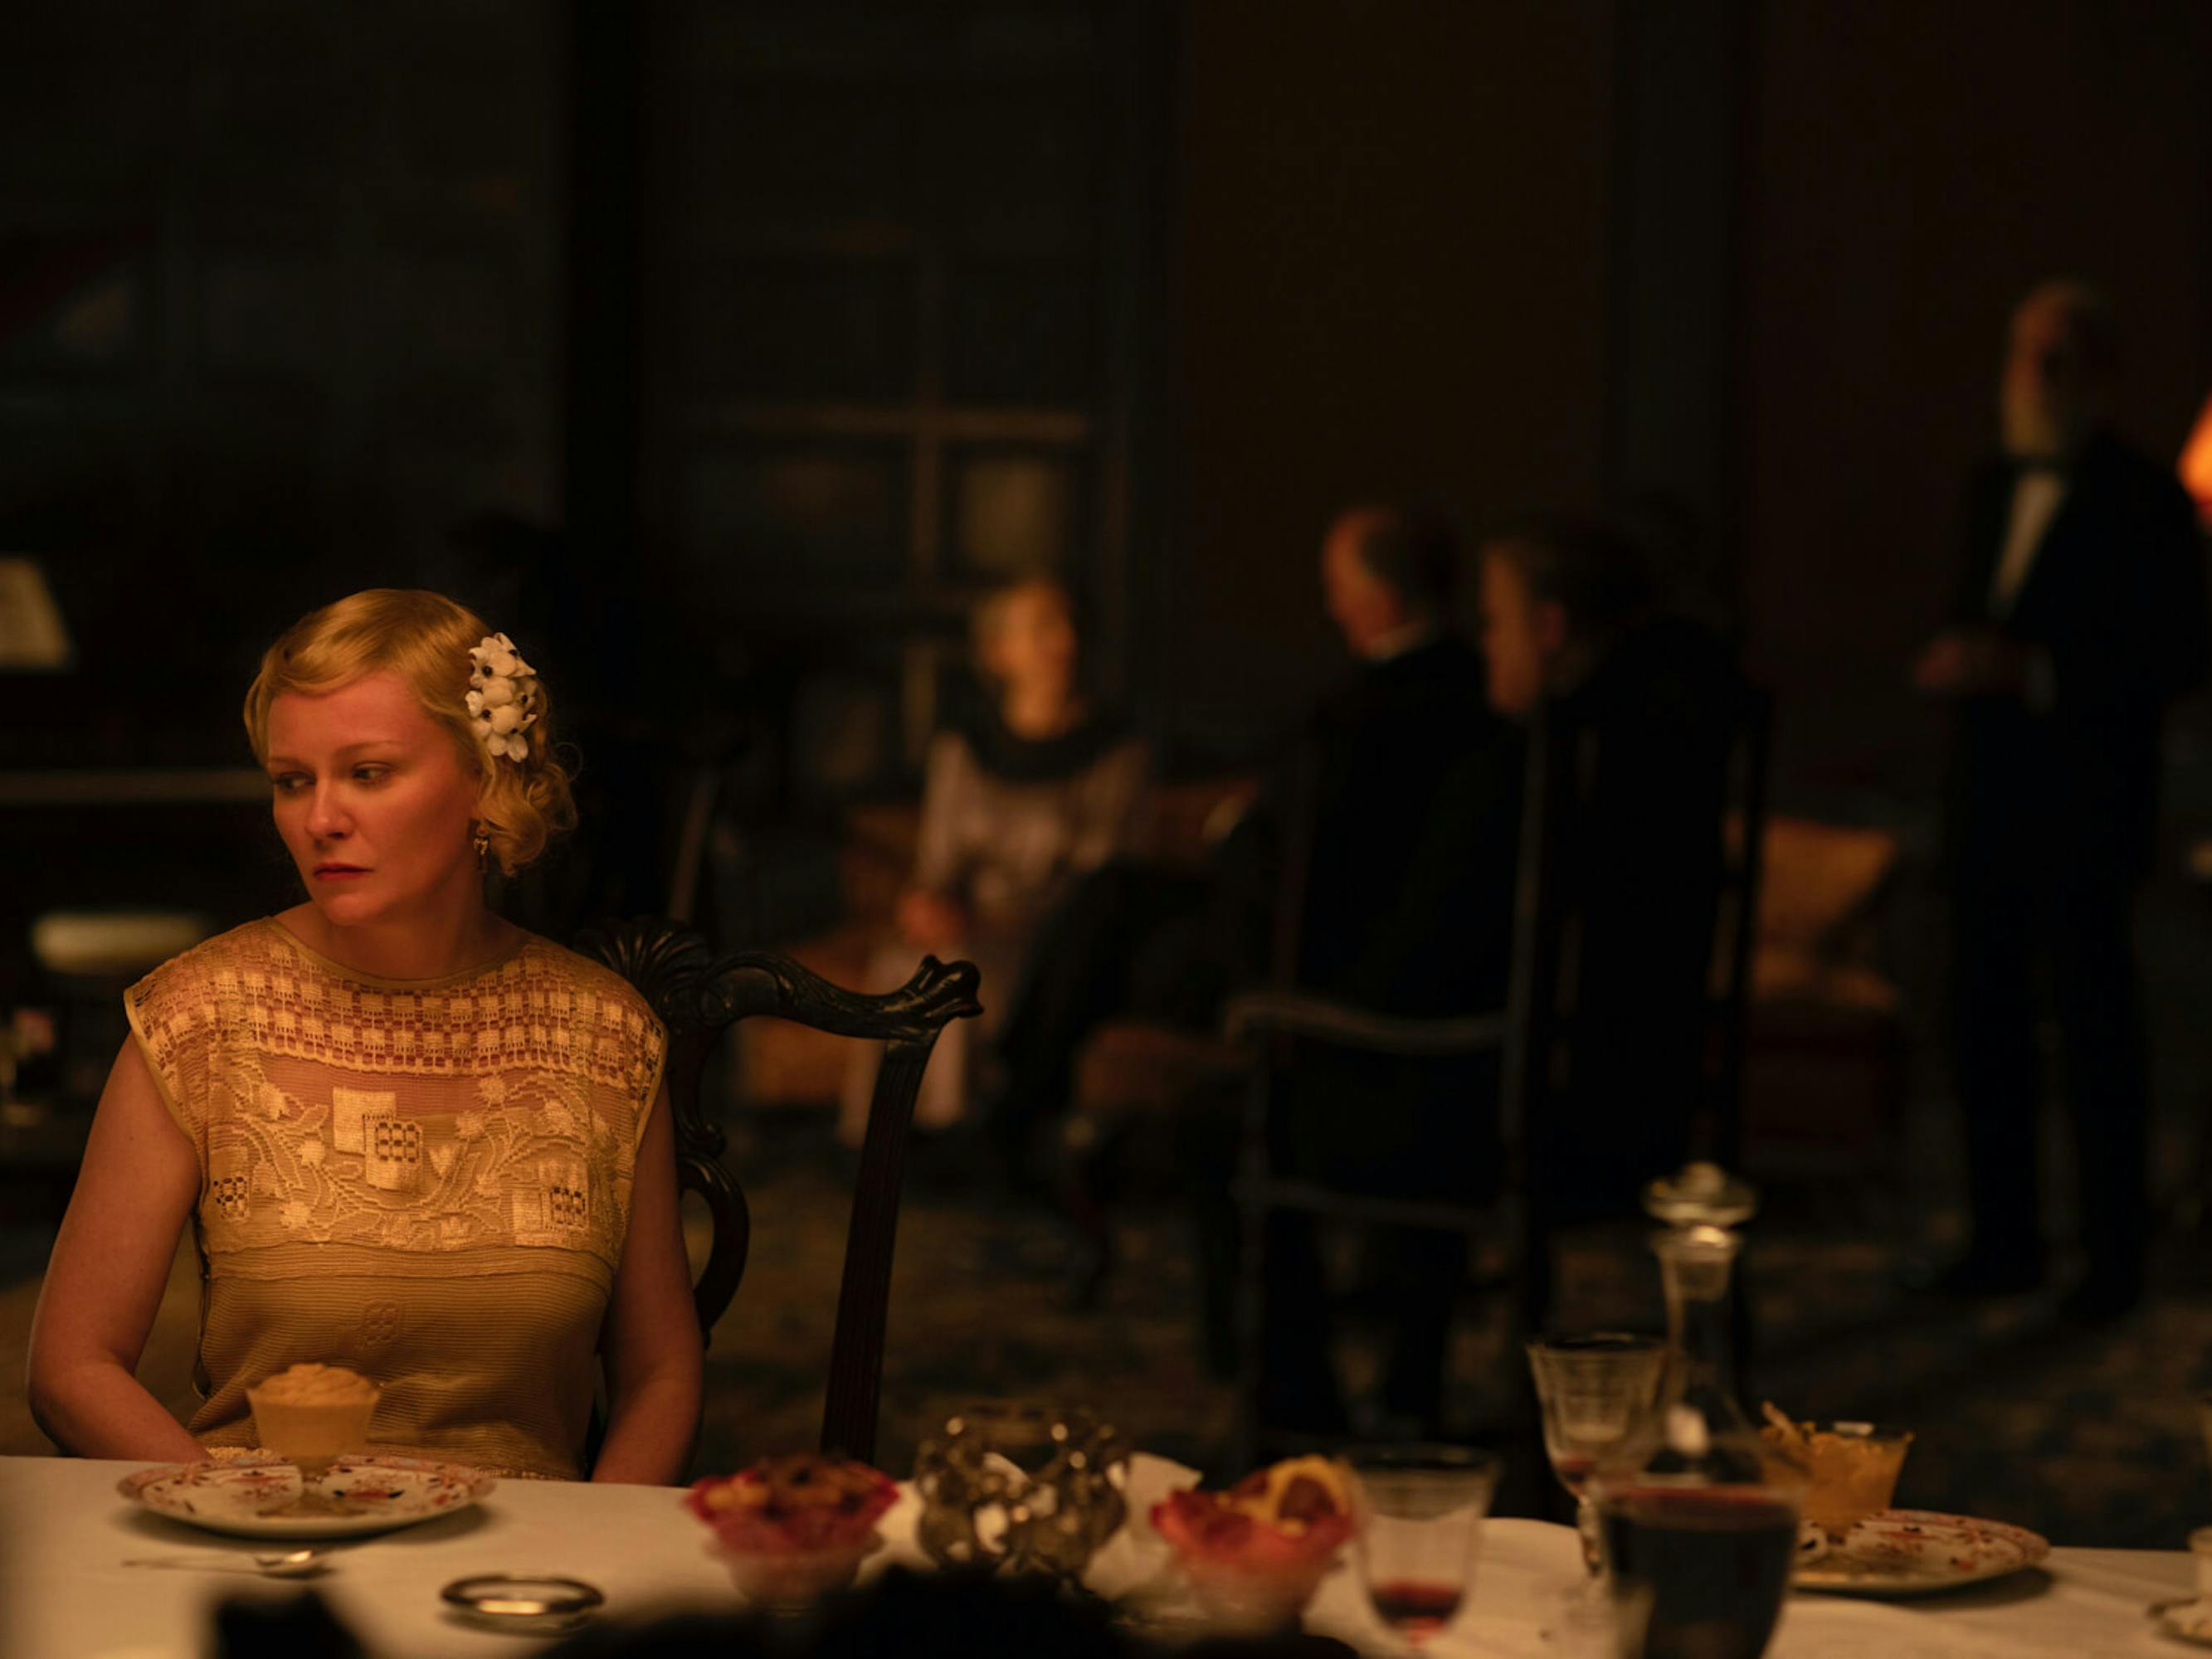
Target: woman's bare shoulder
203, 966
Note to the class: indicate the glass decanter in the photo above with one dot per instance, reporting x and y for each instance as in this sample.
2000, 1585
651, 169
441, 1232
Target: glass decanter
1699, 1519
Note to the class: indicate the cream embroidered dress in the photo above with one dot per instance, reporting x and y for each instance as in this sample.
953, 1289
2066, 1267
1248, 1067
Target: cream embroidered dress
428, 1181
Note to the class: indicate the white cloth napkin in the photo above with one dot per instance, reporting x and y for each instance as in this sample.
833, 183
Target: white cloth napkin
1136, 1554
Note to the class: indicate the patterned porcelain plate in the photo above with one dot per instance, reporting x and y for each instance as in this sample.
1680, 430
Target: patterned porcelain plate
241, 1497
1916, 1552
2190, 1620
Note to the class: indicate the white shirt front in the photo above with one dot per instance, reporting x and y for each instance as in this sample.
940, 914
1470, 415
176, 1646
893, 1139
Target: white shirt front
1399, 640
2037, 495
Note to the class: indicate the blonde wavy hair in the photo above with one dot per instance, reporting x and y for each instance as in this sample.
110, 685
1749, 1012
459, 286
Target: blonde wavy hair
424, 638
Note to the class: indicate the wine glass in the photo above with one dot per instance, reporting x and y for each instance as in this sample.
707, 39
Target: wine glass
1420, 1513
1596, 1389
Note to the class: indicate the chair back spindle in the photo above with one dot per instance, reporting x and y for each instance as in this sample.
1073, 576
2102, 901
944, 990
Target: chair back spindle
699, 996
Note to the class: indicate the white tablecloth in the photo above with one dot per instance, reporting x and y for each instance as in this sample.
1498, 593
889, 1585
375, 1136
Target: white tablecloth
64, 1593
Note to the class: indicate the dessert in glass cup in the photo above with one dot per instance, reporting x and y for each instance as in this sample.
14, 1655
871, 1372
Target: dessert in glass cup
311, 1415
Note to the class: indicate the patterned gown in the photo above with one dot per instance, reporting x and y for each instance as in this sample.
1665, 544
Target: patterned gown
428, 1181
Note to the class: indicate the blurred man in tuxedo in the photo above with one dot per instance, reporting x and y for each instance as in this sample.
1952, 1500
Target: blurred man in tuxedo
2081, 615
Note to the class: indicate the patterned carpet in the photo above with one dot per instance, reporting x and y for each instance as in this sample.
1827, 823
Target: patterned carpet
2092, 1439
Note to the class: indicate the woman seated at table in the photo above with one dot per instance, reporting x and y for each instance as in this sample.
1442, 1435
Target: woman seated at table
1039, 787
412, 1138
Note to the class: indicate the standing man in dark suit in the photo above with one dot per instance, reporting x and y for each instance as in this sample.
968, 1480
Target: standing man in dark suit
2083, 615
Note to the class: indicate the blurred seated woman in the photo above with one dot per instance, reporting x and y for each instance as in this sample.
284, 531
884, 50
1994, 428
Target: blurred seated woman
1039, 787
412, 1139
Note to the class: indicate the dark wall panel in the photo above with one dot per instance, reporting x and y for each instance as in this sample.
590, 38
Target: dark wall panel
1913, 169
1391, 262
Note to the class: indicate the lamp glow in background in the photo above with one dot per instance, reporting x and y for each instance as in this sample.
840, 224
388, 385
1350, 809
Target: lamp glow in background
2196, 466
33, 635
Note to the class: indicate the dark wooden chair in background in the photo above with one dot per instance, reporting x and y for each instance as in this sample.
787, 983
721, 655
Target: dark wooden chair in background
699, 996
1539, 1035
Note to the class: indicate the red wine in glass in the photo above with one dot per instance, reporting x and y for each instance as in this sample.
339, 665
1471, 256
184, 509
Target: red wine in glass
1574, 1470
1715, 1561
1417, 1608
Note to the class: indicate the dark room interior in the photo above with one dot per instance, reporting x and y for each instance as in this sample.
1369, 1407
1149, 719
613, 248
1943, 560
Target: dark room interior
774, 376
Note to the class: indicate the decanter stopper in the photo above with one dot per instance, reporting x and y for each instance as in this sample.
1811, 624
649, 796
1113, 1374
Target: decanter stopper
1701, 1194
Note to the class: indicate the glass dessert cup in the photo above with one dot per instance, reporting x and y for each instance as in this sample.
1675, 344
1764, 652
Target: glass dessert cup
311, 1424
1849, 1469
793, 1529
1254, 1555
1250, 1599
791, 1581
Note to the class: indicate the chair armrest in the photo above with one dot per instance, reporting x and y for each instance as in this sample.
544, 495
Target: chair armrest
1297, 1013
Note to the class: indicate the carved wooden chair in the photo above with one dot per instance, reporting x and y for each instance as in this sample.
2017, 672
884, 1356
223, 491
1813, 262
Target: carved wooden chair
1538, 1035
700, 996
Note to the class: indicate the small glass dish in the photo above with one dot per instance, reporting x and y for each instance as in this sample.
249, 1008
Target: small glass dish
527, 1603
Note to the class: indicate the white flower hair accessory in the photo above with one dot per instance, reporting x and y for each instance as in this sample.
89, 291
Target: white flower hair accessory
503, 697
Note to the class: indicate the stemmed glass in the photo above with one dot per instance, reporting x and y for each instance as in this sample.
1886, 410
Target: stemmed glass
1420, 1513
1596, 1389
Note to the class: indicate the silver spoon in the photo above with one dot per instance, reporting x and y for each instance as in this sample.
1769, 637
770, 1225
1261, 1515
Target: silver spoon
274, 1564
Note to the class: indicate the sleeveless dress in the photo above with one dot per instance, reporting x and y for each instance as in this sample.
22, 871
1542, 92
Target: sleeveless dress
1008, 826
427, 1181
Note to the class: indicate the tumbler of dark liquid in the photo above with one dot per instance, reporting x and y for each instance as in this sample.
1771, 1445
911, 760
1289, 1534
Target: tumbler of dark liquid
1705, 1567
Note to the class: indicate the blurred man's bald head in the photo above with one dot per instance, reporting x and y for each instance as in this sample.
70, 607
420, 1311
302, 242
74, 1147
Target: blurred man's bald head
2060, 357
1389, 571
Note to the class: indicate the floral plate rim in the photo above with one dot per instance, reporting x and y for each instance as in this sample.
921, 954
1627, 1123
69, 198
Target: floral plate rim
2196, 1632
2013, 1549
443, 1488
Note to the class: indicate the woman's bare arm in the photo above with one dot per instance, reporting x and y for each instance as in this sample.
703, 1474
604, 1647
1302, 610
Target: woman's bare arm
103, 1286
653, 1353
